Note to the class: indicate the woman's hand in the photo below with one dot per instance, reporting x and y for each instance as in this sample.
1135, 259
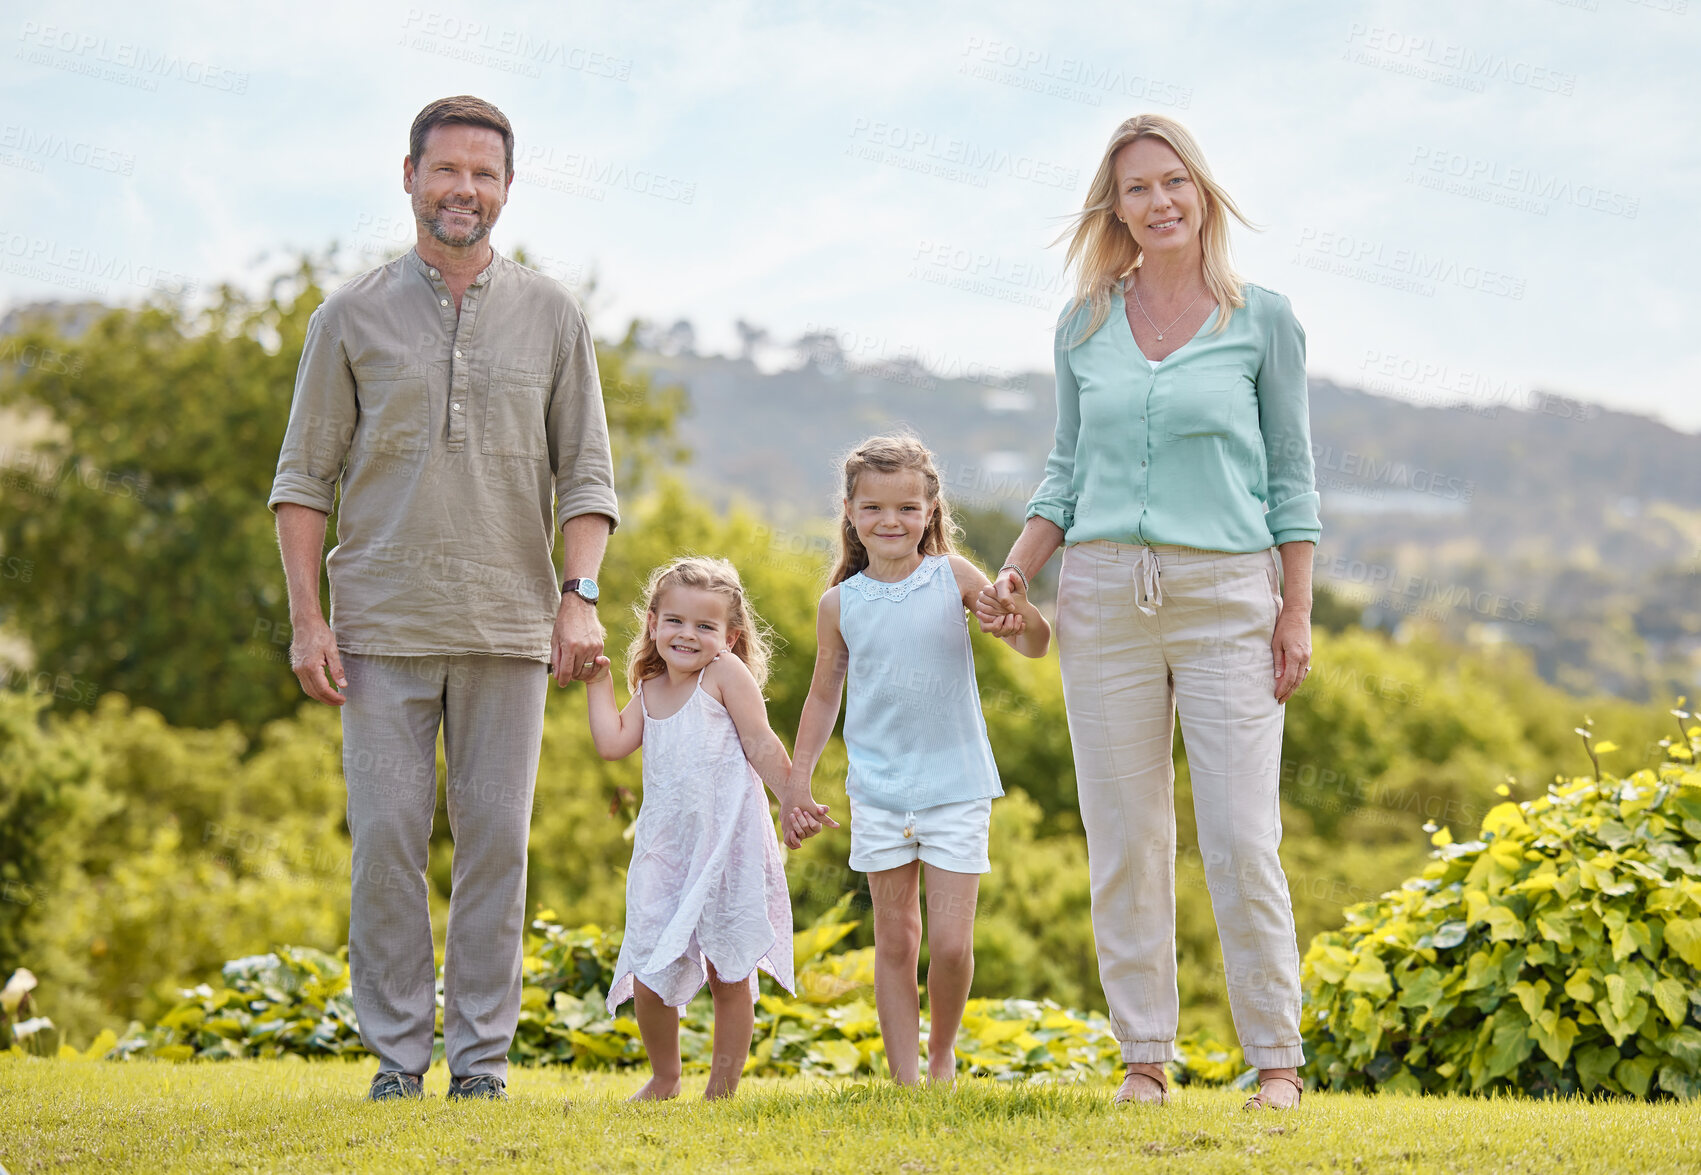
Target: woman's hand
1290, 647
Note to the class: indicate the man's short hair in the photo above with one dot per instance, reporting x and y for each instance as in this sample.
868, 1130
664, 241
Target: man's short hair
468, 111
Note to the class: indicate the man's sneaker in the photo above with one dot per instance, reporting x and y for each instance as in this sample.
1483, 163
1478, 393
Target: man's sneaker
388, 1086
480, 1085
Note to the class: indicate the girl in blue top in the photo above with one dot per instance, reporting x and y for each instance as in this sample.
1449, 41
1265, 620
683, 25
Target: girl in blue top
921, 783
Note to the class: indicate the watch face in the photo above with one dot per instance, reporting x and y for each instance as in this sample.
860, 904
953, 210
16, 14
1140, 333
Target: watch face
588, 589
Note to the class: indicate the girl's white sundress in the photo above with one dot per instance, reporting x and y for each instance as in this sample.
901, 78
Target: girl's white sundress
707, 881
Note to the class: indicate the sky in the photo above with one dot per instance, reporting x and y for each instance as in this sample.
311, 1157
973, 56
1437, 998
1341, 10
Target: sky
1461, 199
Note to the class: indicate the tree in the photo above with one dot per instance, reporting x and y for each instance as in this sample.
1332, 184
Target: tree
142, 558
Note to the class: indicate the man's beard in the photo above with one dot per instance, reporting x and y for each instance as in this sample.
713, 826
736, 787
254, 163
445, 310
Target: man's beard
444, 234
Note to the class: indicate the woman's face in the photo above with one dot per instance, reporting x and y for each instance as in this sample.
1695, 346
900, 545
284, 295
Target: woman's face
1157, 198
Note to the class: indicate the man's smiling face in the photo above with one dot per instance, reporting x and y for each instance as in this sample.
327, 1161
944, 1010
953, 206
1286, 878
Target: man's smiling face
459, 184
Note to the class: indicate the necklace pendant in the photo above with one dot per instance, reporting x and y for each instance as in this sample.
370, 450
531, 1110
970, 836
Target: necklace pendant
1160, 338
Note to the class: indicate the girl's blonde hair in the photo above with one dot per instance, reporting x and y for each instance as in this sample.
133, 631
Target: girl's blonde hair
1103, 251
747, 635
893, 453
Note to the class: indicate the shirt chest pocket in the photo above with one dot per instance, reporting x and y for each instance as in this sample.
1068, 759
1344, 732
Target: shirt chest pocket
516, 406
1203, 402
395, 415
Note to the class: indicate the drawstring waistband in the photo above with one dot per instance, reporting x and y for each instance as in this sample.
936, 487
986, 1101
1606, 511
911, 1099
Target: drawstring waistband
1147, 584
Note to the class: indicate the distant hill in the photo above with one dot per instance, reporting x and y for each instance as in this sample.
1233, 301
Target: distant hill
1560, 526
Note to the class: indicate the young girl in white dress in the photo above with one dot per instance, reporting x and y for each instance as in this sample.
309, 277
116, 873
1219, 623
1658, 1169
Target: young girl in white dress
706, 897
921, 779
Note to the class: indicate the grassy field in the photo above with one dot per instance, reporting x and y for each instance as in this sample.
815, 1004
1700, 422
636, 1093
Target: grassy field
299, 1116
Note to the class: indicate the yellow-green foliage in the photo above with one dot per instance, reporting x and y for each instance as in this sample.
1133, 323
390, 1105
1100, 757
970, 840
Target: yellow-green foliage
1559, 951
295, 1002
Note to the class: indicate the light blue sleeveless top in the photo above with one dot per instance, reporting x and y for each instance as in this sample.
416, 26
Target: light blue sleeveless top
913, 724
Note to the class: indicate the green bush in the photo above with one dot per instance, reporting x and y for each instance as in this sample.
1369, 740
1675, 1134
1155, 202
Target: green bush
295, 1001
1558, 952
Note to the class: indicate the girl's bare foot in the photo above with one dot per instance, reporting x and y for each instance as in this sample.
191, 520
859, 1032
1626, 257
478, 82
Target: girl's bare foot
656, 1089
942, 1073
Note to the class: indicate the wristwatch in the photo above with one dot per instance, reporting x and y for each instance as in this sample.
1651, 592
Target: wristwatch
585, 589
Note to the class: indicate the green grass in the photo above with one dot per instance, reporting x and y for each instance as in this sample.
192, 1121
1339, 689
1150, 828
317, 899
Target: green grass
301, 1116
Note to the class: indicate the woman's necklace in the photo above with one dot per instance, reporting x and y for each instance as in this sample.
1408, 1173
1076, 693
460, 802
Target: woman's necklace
1135, 283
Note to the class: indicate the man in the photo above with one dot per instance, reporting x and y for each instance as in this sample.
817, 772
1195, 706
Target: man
451, 395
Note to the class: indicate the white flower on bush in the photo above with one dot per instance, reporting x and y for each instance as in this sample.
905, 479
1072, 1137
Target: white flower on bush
28, 1028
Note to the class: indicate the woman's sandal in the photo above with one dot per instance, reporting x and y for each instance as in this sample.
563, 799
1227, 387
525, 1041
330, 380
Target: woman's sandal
1154, 1091
1259, 1102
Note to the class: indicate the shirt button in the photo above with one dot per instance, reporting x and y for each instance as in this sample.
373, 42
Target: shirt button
434, 273
458, 408
1142, 465
458, 355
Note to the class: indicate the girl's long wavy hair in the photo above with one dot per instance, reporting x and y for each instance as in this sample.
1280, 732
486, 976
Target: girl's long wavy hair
1102, 249
893, 453
747, 635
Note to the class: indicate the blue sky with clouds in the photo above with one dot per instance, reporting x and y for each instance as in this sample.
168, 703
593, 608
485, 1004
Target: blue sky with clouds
1479, 199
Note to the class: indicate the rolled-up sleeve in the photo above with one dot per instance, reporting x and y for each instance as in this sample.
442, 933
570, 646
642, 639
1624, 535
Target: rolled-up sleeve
1054, 501
579, 452
1284, 417
322, 417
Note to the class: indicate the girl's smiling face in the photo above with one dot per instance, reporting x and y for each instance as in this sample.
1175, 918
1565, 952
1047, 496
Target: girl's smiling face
890, 512
689, 627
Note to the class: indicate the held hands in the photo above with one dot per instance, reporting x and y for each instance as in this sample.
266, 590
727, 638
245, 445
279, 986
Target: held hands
801, 817
998, 607
601, 672
575, 645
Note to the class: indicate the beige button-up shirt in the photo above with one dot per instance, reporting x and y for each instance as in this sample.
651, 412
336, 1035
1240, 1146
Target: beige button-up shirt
451, 438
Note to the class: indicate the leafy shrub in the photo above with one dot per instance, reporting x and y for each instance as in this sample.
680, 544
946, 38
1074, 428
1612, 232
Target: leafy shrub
296, 1001
1560, 951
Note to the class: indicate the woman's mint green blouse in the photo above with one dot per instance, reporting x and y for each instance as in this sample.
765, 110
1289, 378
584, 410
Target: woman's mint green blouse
1209, 449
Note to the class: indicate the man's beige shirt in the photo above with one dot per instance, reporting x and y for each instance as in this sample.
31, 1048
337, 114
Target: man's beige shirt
450, 437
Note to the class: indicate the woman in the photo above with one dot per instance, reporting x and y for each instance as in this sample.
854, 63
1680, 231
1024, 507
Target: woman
1182, 464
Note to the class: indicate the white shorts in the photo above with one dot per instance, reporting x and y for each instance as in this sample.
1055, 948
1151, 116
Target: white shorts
946, 836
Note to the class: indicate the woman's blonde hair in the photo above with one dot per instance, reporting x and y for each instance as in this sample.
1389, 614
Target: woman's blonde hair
747, 635
892, 453
1103, 251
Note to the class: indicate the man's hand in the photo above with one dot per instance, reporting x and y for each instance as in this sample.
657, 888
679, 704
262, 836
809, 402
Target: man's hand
313, 656
576, 643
